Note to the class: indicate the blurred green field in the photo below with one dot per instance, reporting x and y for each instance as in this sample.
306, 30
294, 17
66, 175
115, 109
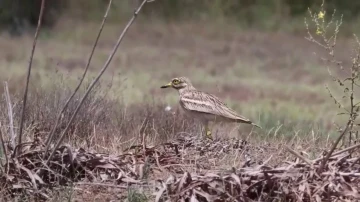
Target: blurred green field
272, 77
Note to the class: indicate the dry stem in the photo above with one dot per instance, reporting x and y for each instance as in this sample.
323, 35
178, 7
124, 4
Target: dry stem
328, 155
4, 150
10, 114
51, 136
98, 76
339, 152
298, 155
29, 73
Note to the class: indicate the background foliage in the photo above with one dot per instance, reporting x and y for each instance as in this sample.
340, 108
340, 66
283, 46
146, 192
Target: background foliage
16, 14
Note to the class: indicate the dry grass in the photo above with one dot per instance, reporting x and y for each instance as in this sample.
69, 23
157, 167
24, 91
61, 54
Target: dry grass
118, 152
183, 168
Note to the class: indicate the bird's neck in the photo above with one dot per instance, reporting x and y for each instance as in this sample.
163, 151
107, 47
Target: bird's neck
184, 90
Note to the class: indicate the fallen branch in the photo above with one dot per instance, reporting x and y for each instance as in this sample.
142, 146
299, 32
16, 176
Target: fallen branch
101, 184
298, 155
338, 152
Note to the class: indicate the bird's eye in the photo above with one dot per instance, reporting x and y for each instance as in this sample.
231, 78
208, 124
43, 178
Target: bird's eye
176, 81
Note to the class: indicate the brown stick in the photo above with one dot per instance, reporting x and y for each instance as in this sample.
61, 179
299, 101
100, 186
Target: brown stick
5, 153
29, 73
342, 174
101, 184
298, 155
338, 152
51, 136
107, 63
10, 115
334, 147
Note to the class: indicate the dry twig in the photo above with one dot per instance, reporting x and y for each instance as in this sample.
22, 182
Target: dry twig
121, 37
51, 135
4, 150
10, 115
28, 75
298, 155
333, 147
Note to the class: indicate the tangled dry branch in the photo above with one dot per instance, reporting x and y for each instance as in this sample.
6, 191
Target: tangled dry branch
143, 166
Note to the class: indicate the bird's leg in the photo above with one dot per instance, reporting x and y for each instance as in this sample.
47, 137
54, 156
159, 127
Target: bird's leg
207, 130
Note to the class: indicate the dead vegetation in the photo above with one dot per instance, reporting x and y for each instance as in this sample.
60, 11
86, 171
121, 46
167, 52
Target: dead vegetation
294, 181
148, 166
181, 169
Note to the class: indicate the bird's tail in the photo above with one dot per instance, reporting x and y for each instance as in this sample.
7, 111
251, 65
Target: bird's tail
248, 122
256, 125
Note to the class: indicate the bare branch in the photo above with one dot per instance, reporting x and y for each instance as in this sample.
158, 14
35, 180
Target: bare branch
106, 65
4, 150
51, 136
29, 72
298, 155
338, 152
101, 184
10, 114
328, 155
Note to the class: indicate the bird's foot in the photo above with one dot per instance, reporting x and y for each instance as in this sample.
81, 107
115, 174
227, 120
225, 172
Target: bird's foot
209, 135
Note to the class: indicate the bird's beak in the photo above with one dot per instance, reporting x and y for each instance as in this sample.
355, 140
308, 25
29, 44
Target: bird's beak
167, 85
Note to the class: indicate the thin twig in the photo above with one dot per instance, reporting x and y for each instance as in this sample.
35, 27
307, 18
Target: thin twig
4, 150
51, 136
352, 117
10, 114
342, 174
338, 152
107, 63
298, 155
334, 147
29, 72
101, 184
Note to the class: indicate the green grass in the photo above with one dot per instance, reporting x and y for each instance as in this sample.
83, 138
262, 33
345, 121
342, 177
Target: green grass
135, 196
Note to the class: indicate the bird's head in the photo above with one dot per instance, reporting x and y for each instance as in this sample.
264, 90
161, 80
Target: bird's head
179, 83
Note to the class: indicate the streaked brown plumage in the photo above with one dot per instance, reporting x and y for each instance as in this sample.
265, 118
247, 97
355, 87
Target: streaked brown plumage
204, 106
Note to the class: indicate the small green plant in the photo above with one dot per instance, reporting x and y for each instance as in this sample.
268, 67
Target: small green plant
136, 196
326, 37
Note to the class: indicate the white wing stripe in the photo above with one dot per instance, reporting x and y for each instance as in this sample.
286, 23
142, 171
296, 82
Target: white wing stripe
194, 102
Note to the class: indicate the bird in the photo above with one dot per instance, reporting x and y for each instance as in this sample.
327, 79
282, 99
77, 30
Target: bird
204, 106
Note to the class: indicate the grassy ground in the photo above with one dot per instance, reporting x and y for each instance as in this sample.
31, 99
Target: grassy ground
273, 78
256, 73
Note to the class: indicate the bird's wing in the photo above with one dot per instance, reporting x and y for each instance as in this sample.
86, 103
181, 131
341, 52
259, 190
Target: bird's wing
207, 103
